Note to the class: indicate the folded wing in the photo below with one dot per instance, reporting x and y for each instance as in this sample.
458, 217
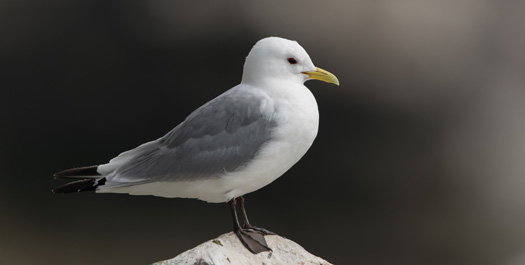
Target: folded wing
219, 137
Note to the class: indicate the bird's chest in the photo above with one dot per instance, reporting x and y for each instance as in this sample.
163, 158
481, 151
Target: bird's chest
296, 117
298, 122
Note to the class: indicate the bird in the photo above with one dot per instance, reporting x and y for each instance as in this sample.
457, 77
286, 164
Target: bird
234, 144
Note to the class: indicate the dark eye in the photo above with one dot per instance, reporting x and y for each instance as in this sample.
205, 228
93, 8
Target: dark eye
292, 60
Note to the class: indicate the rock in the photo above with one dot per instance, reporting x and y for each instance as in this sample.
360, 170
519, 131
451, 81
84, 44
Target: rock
228, 250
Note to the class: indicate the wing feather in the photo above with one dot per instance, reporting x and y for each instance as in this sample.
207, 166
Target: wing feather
221, 136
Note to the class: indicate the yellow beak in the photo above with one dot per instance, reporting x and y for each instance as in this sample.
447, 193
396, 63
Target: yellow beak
322, 75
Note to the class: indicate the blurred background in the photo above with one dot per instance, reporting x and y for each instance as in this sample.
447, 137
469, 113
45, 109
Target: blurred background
420, 157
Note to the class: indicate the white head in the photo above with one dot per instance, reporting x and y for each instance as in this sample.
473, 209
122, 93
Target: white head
278, 58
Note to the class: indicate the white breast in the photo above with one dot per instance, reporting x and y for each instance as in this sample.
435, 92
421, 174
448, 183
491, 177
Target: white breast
297, 117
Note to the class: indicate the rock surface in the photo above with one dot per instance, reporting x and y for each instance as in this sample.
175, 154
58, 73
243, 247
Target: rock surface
227, 249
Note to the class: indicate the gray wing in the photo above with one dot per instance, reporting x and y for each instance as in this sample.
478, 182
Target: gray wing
221, 136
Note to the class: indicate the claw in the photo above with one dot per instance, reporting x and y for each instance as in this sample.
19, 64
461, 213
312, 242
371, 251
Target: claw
253, 241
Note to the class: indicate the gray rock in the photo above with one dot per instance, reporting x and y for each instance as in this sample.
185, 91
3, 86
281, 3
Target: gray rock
228, 250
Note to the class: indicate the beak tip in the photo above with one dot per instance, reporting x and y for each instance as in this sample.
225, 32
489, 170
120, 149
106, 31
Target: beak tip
324, 76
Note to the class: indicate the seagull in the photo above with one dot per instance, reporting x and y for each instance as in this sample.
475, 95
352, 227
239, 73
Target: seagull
234, 144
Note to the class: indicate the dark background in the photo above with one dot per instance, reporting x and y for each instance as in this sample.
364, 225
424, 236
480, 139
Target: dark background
420, 157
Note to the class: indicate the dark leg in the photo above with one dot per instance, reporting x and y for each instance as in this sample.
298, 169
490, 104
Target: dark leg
252, 240
246, 223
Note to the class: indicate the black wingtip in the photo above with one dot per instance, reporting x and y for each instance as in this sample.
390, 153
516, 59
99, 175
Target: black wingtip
80, 185
79, 172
